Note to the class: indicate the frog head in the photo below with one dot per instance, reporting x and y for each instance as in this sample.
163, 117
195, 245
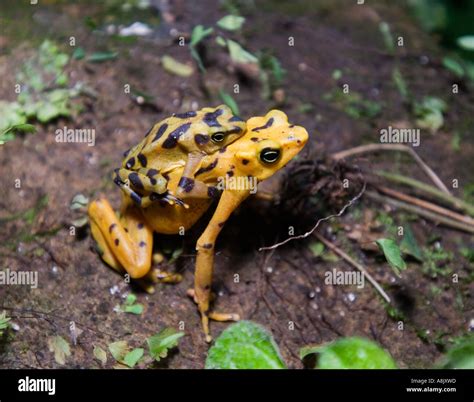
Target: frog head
269, 144
212, 129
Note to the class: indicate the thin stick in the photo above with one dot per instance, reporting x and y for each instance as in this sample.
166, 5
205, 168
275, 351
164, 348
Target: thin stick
393, 147
354, 263
420, 211
426, 204
303, 236
426, 188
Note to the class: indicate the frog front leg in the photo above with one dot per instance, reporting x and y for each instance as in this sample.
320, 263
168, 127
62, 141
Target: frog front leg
228, 202
135, 184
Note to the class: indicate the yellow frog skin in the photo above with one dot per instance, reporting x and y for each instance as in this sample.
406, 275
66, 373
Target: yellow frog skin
269, 143
180, 140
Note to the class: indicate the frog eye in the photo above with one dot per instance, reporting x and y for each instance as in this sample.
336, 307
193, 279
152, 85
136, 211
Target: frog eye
218, 137
269, 155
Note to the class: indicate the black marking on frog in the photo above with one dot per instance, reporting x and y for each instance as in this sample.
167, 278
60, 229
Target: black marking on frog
140, 225
221, 224
136, 198
245, 161
207, 246
201, 139
174, 136
142, 244
211, 118
160, 131
130, 163
230, 173
212, 192
291, 125
235, 118
266, 125
111, 227
126, 152
117, 242
135, 180
186, 184
142, 159
208, 168
254, 139
185, 115
222, 150
152, 172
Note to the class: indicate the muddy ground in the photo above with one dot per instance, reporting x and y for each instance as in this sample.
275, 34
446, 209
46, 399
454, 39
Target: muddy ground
75, 286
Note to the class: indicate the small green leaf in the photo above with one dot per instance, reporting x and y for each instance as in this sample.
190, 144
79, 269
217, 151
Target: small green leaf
134, 309
244, 345
317, 248
221, 41
100, 354
79, 201
387, 36
229, 101
392, 254
350, 353
409, 245
162, 342
131, 298
199, 33
454, 66
460, 356
4, 322
60, 347
336, 75
400, 82
239, 54
78, 53
173, 66
99, 57
231, 22
466, 42
118, 349
132, 358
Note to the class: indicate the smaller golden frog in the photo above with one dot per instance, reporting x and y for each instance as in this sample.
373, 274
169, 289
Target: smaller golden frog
180, 140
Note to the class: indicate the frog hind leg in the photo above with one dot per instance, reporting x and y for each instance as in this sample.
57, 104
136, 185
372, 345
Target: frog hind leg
229, 201
132, 247
135, 184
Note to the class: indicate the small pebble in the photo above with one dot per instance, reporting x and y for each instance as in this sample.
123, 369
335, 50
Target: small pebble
54, 269
114, 289
471, 325
312, 295
269, 270
351, 297
15, 326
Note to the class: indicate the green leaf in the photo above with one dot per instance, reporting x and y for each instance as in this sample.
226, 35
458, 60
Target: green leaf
350, 353
160, 343
134, 309
229, 101
132, 358
466, 42
11, 114
429, 113
460, 356
244, 345
4, 322
221, 41
392, 254
317, 248
239, 54
231, 22
79, 201
131, 298
409, 245
99, 57
78, 53
100, 354
60, 347
400, 82
387, 36
173, 66
199, 33
118, 349
454, 66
